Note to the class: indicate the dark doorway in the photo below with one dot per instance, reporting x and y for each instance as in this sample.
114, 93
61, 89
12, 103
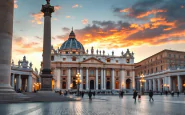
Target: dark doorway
128, 81
92, 84
64, 85
108, 85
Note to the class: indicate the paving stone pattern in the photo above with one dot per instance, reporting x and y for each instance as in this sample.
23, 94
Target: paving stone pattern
101, 105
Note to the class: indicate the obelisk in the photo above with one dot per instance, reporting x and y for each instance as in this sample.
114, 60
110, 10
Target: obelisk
6, 30
46, 76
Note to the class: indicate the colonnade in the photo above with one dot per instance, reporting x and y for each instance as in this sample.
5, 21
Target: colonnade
167, 83
16, 82
100, 79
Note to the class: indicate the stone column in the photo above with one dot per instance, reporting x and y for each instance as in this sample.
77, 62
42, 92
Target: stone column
13, 77
123, 79
81, 78
58, 76
19, 82
159, 84
150, 84
146, 85
113, 81
133, 80
69, 79
29, 83
104, 79
96, 78
6, 30
163, 84
179, 83
154, 85
170, 83
87, 79
46, 77
101, 78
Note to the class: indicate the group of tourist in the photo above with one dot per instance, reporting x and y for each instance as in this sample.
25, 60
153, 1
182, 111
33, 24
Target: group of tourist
89, 94
135, 94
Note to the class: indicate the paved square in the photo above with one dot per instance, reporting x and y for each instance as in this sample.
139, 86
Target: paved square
101, 105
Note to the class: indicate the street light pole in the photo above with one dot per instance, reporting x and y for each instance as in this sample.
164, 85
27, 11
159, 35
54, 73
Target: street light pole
78, 81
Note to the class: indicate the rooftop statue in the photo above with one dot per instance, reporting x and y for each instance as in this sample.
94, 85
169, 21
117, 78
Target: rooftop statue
48, 1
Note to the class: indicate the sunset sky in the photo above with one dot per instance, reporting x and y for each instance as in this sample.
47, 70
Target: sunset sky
143, 26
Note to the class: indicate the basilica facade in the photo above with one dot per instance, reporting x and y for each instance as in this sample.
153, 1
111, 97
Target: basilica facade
97, 70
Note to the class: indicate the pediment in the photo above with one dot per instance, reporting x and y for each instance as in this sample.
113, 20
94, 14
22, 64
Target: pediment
92, 60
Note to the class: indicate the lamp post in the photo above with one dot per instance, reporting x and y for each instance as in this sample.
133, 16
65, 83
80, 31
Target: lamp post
142, 80
78, 81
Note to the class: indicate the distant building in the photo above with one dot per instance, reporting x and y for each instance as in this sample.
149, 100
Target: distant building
24, 77
164, 71
98, 71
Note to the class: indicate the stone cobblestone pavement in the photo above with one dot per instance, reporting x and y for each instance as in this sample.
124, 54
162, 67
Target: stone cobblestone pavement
101, 105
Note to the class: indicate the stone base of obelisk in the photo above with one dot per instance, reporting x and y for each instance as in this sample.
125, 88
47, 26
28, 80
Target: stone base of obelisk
46, 80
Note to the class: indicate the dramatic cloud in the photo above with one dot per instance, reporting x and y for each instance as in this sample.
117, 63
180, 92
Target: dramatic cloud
21, 46
85, 21
37, 17
15, 4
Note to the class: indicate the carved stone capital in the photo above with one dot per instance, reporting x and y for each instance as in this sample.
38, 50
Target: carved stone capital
47, 9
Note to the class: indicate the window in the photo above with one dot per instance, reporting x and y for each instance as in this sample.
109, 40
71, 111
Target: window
162, 68
64, 72
67, 52
128, 60
74, 59
84, 59
64, 78
108, 60
74, 52
91, 72
116, 73
116, 61
156, 69
99, 58
107, 73
169, 55
128, 73
64, 59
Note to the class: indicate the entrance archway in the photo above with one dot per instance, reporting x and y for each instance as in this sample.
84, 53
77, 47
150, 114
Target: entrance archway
108, 85
63, 85
128, 82
117, 85
92, 84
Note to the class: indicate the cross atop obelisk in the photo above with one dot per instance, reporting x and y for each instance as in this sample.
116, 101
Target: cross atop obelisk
46, 76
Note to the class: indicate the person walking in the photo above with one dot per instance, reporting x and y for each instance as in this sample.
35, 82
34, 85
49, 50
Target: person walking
151, 95
178, 93
90, 95
82, 94
134, 95
172, 93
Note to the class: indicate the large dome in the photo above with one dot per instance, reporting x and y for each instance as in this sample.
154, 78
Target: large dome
72, 43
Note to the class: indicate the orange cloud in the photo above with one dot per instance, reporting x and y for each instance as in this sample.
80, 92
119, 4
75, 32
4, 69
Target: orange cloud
75, 6
150, 12
125, 10
68, 16
15, 4
57, 7
85, 21
37, 18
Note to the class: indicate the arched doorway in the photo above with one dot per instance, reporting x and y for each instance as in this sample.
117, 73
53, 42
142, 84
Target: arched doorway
92, 84
108, 85
128, 82
63, 85
117, 85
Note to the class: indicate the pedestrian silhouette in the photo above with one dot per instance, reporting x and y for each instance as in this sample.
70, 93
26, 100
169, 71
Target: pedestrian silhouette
151, 95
